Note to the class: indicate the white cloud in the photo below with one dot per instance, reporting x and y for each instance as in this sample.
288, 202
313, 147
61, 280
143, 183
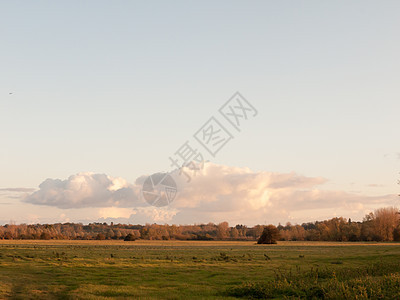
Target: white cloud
239, 195
86, 190
217, 193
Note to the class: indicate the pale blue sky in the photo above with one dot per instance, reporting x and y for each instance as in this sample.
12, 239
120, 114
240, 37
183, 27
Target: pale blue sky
116, 87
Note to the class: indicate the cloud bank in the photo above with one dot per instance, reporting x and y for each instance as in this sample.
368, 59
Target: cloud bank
85, 190
216, 193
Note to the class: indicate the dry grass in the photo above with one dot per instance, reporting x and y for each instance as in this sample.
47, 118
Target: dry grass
55, 269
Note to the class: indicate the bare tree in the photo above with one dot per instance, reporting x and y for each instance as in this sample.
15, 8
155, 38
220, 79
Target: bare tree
386, 220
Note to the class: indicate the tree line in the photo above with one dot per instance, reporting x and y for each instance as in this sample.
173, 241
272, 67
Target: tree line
381, 225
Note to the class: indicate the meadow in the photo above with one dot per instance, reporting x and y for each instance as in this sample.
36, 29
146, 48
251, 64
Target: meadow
197, 270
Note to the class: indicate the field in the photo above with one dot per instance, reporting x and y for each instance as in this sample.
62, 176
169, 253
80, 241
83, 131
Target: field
197, 270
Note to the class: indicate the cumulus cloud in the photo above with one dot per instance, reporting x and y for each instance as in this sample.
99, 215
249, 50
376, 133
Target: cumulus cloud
214, 194
224, 188
240, 195
85, 190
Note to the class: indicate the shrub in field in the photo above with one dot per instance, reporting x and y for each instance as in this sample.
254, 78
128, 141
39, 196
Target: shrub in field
129, 237
269, 236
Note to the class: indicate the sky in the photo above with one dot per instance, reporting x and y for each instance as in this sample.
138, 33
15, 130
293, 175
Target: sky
95, 96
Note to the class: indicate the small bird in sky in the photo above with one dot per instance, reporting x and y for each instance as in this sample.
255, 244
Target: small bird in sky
10, 93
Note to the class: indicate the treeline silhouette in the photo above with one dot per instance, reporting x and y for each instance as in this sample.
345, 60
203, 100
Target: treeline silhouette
380, 225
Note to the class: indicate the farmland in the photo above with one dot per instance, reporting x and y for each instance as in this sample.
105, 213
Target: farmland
197, 269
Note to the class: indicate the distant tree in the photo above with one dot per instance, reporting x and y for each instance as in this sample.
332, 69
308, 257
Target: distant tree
129, 237
297, 233
352, 232
269, 235
144, 233
45, 236
234, 233
117, 235
255, 232
367, 230
313, 235
100, 237
396, 234
381, 225
8, 236
385, 221
203, 237
222, 230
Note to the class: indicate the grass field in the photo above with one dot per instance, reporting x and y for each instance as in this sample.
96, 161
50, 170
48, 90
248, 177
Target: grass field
196, 270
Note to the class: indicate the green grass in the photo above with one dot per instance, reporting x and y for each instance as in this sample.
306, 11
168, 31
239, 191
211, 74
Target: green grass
197, 270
